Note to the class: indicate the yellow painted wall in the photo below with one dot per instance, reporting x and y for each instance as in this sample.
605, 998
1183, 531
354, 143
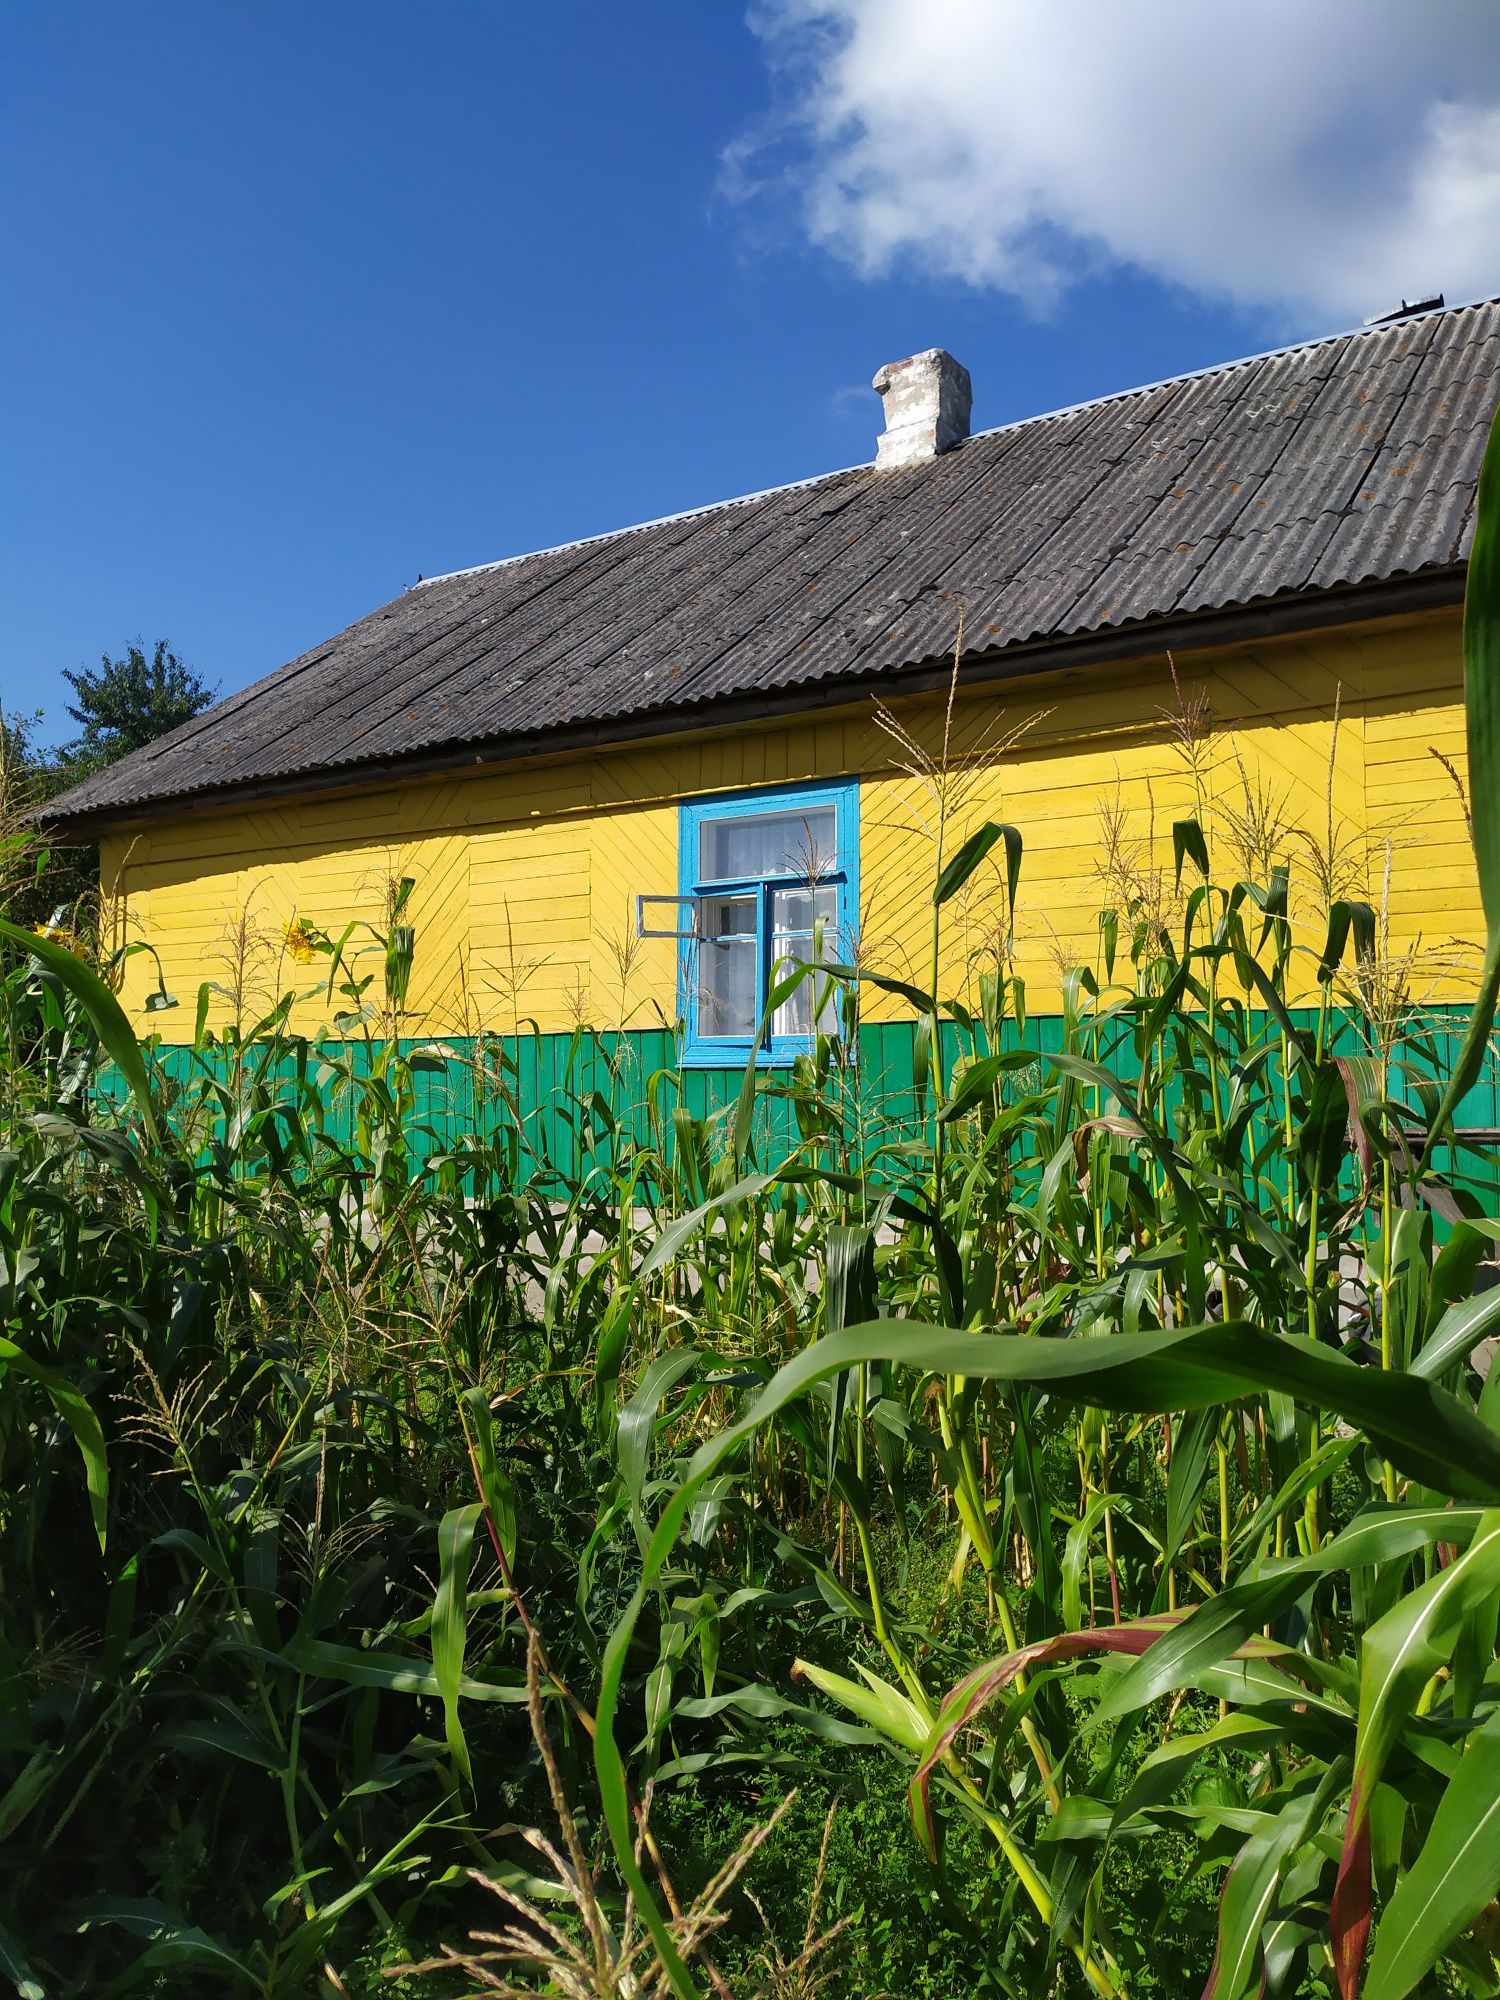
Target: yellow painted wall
526, 880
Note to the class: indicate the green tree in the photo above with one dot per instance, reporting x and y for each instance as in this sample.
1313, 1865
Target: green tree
39, 878
23, 786
127, 703
120, 707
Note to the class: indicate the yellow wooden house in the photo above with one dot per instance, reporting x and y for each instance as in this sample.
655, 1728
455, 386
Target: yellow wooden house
630, 778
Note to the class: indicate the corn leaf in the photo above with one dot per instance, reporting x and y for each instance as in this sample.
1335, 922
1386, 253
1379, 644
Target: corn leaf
1171, 1370
1401, 1652
1213, 1631
1482, 679
1482, 715
967, 1700
1454, 1878
78, 1414
496, 1486
450, 1622
638, 1419
116, 1036
1188, 842
979, 843
14, 1966
877, 1703
396, 1673
1249, 1894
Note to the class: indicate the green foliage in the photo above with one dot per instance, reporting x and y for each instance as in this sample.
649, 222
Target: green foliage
35, 880
351, 1427
124, 704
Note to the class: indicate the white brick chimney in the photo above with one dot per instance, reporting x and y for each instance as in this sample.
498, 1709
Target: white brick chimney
927, 400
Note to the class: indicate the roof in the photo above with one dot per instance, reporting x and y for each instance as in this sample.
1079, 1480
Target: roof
1339, 463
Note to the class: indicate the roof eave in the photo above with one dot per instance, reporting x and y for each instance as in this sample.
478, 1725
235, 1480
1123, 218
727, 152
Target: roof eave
1274, 617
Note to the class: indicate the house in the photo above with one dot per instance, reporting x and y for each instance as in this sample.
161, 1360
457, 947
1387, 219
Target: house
630, 776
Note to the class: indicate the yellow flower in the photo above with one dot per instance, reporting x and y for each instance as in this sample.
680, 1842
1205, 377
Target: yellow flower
59, 934
301, 941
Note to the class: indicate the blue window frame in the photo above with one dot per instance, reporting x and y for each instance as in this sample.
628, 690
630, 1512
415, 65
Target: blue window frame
771, 877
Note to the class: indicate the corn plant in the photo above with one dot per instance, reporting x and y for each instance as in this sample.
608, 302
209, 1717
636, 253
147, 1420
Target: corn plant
1093, 1458
1160, 1282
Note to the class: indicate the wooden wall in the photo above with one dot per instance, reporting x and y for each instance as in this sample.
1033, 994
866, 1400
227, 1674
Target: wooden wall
524, 904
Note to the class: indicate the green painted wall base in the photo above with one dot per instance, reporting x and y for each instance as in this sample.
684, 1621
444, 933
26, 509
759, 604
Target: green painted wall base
569, 1101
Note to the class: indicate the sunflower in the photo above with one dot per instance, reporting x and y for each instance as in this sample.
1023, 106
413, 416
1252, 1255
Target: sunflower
301, 941
60, 934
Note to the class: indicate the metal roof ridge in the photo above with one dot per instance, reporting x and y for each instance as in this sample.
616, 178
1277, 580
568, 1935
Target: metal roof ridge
637, 527
1240, 361
994, 430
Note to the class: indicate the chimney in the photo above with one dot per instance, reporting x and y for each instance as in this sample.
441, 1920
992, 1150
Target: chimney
927, 401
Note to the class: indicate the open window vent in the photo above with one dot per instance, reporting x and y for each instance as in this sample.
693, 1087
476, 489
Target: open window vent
691, 906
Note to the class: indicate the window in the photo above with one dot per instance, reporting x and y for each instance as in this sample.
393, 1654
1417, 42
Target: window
771, 879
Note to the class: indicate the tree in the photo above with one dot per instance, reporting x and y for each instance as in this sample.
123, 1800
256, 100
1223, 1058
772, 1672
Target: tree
39, 880
120, 707
128, 703
23, 786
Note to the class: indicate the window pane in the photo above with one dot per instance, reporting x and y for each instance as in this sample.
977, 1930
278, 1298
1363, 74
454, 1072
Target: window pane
794, 941
794, 911
727, 967
745, 845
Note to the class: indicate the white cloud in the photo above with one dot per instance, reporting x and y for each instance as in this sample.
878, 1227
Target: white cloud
1320, 156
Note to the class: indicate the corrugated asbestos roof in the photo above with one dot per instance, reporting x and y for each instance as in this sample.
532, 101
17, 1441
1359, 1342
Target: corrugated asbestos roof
1347, 460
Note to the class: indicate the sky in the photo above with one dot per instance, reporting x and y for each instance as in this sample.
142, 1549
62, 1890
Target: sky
306, 298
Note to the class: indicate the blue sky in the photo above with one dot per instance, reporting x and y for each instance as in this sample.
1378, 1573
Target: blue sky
305, 300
